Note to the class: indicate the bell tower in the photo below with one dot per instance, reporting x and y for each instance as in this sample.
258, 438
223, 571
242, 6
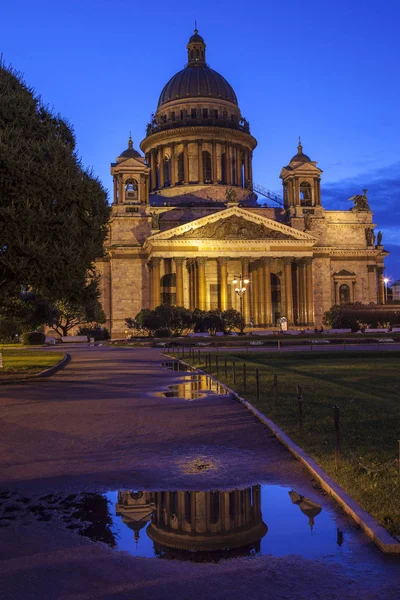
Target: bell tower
301, 183
131, 178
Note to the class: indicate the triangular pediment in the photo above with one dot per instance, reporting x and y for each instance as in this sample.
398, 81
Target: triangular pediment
234, 224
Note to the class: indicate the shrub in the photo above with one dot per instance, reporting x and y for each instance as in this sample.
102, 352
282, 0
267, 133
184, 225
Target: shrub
8, 331
33, 338
97, 333
163, 333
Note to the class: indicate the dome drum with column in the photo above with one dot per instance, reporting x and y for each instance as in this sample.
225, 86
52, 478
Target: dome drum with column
198, 135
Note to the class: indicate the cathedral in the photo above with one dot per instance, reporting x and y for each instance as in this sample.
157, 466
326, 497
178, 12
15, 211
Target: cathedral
186, 221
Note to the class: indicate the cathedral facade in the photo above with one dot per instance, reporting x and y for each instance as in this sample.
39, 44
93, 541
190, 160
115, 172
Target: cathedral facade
186, 221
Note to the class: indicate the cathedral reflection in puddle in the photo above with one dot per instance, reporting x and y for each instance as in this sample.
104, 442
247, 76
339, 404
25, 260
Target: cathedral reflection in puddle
206, 526
196, 525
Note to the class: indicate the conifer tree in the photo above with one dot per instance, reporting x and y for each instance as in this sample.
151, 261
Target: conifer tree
53, 212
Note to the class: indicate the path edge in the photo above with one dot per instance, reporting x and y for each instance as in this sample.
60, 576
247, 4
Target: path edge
46, 373
376, 532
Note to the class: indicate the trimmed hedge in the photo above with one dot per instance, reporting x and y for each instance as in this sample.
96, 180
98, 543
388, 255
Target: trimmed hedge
33, 338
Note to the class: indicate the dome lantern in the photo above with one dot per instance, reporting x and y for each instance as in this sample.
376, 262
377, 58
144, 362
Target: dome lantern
196, 50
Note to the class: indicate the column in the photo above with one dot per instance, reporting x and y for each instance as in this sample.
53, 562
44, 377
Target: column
156, 289
300, 295
310, 291
185, 163
195, 276
238, 167
161, 167
251, 167
246, 169
223, 282
372, 296
261, 293
115, 190
150, 267
173, 165
268, 295
214, 163
289, 289
200, 174
381, 286
201, 262
304, 287
254, 293
228, 161
120, 189
246, 297
179, 281
153, 170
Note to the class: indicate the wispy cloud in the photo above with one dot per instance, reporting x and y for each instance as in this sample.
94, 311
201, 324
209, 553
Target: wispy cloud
383, 187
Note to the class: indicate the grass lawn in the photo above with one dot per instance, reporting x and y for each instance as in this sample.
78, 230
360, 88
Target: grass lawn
365, 386
19, 363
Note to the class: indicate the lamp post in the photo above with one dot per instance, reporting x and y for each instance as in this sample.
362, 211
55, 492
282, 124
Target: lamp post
386, 281
240, 290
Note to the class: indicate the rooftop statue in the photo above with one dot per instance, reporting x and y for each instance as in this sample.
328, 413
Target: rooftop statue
360, 201
231, 195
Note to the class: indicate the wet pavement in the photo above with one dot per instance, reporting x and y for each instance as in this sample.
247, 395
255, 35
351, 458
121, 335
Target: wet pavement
101, 470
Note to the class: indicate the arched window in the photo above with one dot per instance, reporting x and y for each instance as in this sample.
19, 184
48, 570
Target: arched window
207, 175
305, 194
344, 293
191, 54
181, 174
131, 190
223, 168
167, 172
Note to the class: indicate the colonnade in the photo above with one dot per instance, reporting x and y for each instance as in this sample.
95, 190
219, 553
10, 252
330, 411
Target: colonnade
207, 512
236, 170
277, 288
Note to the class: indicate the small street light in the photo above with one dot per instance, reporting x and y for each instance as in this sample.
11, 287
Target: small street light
386, 281
240, 290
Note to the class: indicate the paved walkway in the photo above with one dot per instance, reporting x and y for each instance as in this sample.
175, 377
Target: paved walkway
97, 425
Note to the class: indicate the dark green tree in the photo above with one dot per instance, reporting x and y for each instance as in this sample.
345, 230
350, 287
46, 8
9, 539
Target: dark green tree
53, 212
232, 320
146, 322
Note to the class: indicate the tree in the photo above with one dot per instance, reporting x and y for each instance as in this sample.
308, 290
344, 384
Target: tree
53, 212
213, 321
232, 319
81, 308
177, 319
146, 322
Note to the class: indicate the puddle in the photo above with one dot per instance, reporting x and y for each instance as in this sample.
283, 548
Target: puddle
192, 387
174, 365
213, 525
200, 526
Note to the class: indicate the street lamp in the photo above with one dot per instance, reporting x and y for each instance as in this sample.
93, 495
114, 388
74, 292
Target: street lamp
386, 281
240, 290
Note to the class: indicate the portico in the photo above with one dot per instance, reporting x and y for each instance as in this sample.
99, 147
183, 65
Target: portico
199, 261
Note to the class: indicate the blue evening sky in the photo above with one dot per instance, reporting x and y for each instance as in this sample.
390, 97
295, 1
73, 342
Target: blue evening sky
328, 71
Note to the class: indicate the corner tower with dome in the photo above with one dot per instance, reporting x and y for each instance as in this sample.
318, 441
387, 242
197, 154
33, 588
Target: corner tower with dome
186, 221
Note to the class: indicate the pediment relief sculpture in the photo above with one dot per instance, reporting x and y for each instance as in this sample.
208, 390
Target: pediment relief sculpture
233, 228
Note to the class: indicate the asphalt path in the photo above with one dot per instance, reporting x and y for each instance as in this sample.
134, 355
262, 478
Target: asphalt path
99, 424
